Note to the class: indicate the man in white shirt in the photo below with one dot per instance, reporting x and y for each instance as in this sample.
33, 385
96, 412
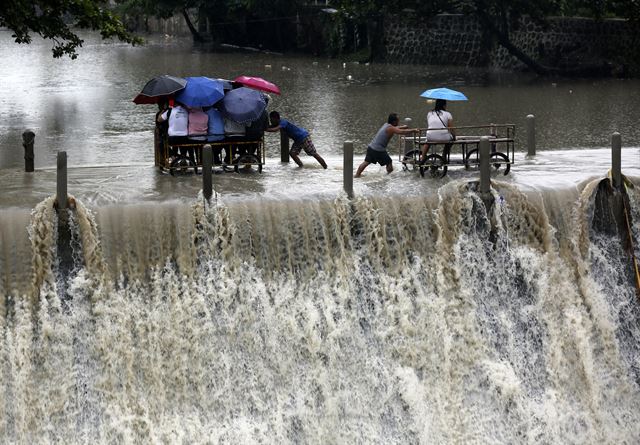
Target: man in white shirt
178, 131
178, 117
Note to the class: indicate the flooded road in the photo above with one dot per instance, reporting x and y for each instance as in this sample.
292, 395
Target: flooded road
84, 107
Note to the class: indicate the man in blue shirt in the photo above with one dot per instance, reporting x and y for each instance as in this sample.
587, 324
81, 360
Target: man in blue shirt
300, 136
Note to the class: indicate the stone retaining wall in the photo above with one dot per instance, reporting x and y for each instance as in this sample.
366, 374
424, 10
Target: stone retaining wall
441, 40
564, 42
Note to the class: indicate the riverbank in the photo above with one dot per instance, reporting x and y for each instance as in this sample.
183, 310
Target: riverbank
583, 46
569, 46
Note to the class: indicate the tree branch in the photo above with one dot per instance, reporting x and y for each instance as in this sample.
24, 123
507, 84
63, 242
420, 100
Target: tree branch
197, 37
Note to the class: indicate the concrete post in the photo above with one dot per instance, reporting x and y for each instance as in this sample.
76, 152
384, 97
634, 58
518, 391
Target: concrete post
531, 135
61, 181
207, 165
485, 172
28, 138
64, 250
284, 146
348, 168
616, 160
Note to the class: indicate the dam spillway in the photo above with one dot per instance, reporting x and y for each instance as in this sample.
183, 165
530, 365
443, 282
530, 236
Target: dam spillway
423, 319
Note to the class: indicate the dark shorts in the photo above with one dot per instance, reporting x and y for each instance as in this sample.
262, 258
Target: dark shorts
306, 144
177, 140
377, 157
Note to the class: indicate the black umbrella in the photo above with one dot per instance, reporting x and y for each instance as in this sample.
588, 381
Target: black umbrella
163, 85
158, 88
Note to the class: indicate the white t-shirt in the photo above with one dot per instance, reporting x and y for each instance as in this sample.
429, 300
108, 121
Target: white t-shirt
434, 121
178, 121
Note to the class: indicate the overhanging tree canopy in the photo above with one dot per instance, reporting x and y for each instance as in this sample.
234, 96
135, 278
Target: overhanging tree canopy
56, 20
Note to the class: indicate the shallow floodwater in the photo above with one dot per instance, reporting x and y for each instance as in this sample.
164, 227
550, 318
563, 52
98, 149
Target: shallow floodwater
84, 107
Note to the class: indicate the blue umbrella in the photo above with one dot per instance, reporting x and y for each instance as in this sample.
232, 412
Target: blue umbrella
243, 105
200, 92
443, 93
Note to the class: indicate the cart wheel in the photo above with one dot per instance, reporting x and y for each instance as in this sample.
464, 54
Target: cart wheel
434, 165
248, 161
498, 160
467, 161
412, 155
182, 166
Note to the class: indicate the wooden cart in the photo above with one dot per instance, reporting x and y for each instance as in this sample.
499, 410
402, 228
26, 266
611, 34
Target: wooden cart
229, 154
436, 162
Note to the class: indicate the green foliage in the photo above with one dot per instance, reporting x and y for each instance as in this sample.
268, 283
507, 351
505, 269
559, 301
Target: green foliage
506, 9
221, 10
504, 15
56, 19
164, 9
361, 10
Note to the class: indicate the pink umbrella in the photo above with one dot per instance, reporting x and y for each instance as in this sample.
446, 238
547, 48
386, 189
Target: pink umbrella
257, 83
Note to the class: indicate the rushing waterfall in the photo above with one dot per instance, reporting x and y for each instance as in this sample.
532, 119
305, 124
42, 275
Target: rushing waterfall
374, 320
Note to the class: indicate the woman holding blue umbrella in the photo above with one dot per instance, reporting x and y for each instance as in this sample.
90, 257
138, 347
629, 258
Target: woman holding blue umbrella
439, 120
440, 124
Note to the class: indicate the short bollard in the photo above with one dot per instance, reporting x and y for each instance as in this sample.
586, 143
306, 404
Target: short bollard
348, 168
531, 135
616, 160
63, 205
485, 172
207, 166
28, 138
284, 146
61, 181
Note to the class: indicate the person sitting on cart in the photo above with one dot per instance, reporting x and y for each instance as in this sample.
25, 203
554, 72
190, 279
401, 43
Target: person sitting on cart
440, 121
255, 132
377, 148
160, 133
198, 130
215, 132
178, 119
301, 139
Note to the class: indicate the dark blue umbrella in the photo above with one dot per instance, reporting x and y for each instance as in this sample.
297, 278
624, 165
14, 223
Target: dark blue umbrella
243, 105
200, 92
